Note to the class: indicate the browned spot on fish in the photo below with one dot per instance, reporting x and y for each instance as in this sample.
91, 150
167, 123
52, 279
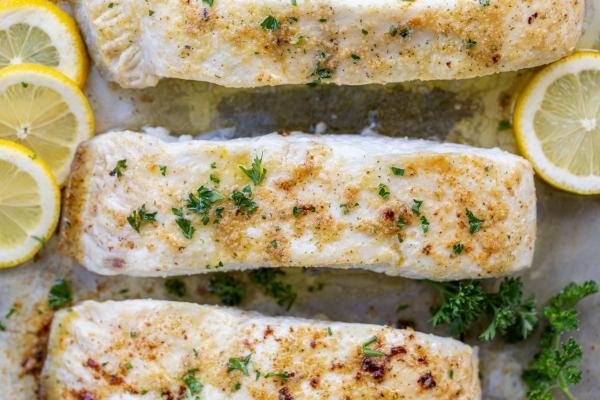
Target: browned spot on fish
426, 381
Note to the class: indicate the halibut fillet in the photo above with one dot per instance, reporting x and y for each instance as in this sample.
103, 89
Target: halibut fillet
249, 43
155, 350
141, 206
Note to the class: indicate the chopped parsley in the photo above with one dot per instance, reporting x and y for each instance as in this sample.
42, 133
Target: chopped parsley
355, 57
474, 222
283, 375
175, 287
128, 366
504, 125
163, 170
424, 224
202, 201
193, 385
25, 85
274, 244
294, 2
243, 201
319, 72
230, 291
213, 164
416, 206
209, 2
239, 364
298, 210
214, 178
218, 215
184, 224
398, 171
405, 31
554, 367
393, 30
296, 40
367, 351
283, 293
458, 248
139, 217
59, 294
256, 172
118, 169
508, 313
150, 13
470, 43
400, 223
345, 209
484, 3
329, 331
383, 191
270, 23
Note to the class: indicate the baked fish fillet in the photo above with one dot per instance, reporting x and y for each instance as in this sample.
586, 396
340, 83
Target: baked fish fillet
444, 211
248, 43
151, 350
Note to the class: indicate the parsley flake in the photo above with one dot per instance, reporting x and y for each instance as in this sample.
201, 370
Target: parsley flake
175, 287
367, 351
283, 375
184, 224
270, 23
243, 201
119, 168
230, 291
256, 173
239, 364
416, 207
383, 191
59, 294
458, 248
139, 217
474, 222
193, 385
163, 170
398, 171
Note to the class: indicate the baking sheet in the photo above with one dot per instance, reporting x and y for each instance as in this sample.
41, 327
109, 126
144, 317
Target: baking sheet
460, 111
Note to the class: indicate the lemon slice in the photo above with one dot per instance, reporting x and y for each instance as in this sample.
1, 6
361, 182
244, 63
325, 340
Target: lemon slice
38, 32
29, 204
557, 123
45, 111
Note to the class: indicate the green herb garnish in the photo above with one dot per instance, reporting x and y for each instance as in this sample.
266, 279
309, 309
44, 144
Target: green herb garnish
163, 170
416, 206
60, 294
554, 368
424, 224
509, 314
184, 224
139, 217
458, 248
383, 191
243, 201
227, 288
283, 293
367, 351
256, 172
175, 287
474, 222
270, 23
283, 375
239, 364
193, 385
119, 168
398, 171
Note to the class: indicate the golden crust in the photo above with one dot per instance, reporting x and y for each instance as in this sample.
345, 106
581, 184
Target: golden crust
94, 351
318, 206
74, 202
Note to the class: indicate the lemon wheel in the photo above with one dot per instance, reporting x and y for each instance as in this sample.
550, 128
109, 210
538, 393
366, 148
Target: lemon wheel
29, 204
39, 32
45, 111
557, 123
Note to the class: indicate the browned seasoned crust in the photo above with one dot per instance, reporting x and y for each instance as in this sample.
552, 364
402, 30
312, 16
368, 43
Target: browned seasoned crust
74, 203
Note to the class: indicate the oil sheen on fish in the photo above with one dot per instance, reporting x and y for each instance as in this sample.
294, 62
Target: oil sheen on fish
138, 205
151, 350
249, 43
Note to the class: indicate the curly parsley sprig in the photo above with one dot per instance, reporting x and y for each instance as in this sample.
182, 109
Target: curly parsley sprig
554, 368
464, 302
